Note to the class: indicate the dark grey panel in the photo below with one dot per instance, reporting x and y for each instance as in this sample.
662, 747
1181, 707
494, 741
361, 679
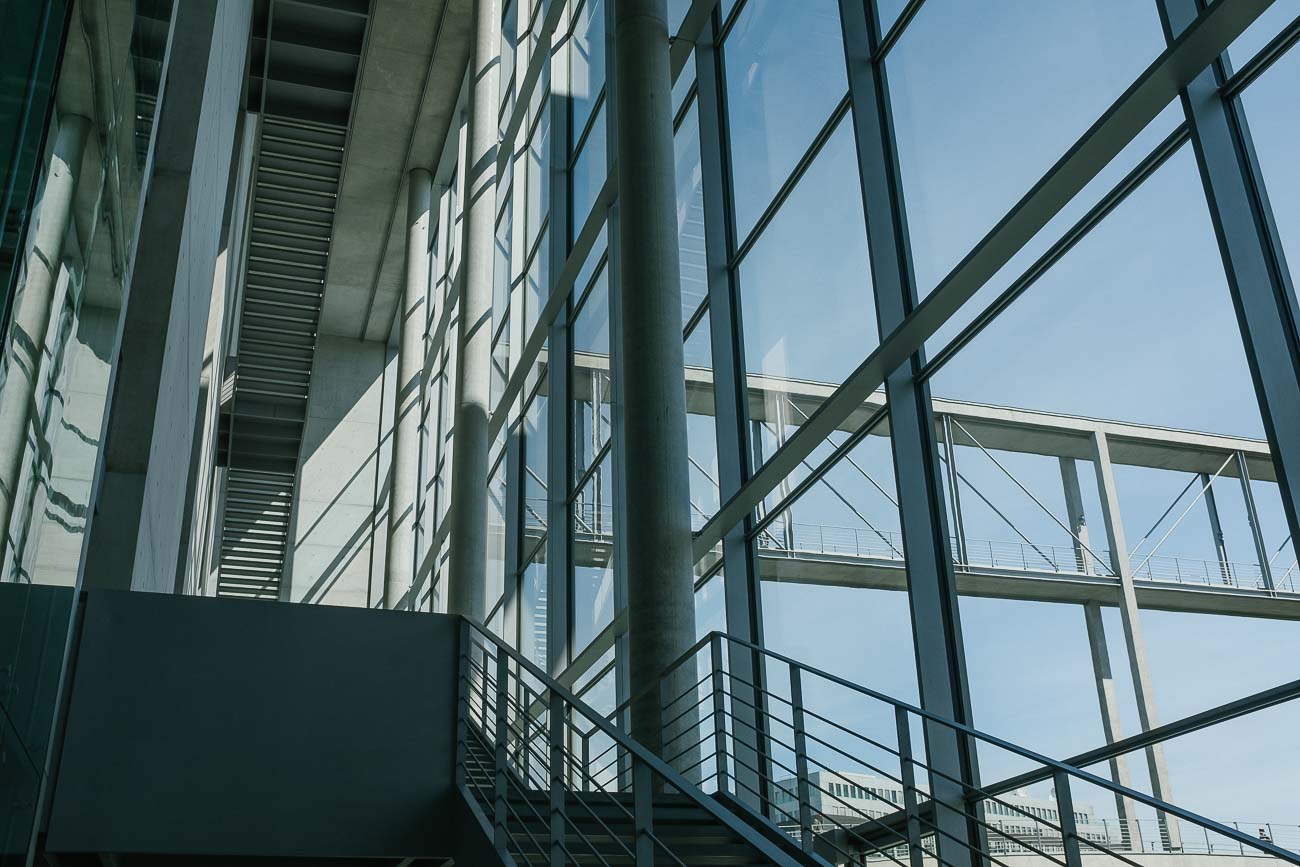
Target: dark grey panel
221, 726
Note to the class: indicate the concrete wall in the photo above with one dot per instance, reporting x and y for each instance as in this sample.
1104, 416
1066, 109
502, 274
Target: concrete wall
75, 447
341, 509
265, 729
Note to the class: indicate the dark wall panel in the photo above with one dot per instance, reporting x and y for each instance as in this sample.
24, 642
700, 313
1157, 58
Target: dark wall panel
206, 726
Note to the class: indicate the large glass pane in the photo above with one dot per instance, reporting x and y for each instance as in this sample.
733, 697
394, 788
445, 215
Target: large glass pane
1270, 108
987, 96
587, 64
532, 611
591, 383
593, 560
535, 470
690, 215
805, 291
588, 174
785, 73
1130, 341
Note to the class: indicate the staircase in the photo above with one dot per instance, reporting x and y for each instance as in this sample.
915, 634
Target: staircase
757, 774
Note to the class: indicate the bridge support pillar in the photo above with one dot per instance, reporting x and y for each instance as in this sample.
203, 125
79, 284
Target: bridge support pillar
1143, 691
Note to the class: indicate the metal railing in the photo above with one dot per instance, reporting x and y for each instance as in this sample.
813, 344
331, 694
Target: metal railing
870, 543
780, 745
529, 759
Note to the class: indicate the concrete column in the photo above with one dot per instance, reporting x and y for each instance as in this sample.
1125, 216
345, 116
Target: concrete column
1074, 515
1110, 723
399, 566
1216, 529
661, 604
32, 313
1252, 519
1101, 670
469, 472
1133, 640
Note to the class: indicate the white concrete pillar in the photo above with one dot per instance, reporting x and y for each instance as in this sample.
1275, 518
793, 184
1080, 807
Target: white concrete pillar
32, 311
467, 535
656, 485
1143, 691
399, 566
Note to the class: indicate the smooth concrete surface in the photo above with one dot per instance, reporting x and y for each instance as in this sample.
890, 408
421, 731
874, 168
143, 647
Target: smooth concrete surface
338, 530
410, 80
399, 574
32, 311
74, 445
466, 592
237, 727
656, 487
134, 537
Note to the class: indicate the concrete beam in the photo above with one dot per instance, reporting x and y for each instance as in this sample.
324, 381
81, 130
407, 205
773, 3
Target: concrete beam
133, 536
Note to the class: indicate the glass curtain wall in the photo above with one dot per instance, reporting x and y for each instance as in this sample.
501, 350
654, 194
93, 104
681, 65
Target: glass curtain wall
71, 189
1055, 433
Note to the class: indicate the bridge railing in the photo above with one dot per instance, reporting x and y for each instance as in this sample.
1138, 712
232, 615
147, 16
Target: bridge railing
798, 538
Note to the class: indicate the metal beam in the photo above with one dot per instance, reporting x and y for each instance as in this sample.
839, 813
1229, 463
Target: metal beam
1254, 264
932, 587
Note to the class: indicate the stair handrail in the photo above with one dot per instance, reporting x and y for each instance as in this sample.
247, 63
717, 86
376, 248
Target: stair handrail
1052, 767
637, 753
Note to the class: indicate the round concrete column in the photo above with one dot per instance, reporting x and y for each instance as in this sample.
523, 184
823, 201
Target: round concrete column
661, 609
399, 566
32, 312
469, 468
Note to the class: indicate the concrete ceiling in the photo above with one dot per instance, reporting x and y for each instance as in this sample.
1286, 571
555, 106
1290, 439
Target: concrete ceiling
411, 76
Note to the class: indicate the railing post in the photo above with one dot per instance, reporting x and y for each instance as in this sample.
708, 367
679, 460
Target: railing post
719, 713
585, 776
1065, 809
555, 723
801, 759
643, 812
463, 692
502, 755
907, 771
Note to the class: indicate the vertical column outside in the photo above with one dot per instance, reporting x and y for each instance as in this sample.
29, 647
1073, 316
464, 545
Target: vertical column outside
559, 459
468, 531
1253, 259
1130, 832
33, 309
741, 587
954, 492
405, 474
1216, 528
1135, 643
1075, 515
1103, 675
1252, 519
932, 589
